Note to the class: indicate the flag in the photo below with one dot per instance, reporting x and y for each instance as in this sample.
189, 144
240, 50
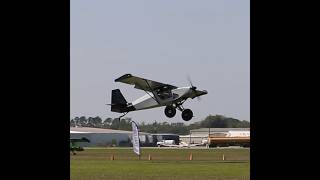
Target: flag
135, 138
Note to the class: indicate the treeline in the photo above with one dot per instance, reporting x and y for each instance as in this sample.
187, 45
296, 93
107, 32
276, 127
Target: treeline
212, 121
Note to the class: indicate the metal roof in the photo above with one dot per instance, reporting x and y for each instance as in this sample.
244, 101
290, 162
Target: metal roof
98, 130
193, 136
219, 129
162, 134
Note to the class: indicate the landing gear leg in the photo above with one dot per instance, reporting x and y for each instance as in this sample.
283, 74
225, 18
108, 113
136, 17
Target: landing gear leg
180, 107
187, 114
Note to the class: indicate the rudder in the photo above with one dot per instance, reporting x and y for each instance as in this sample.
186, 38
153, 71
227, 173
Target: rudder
118, 102
117, 97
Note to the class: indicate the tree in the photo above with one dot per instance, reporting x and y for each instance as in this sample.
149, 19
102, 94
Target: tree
212, 121
219, 121
83, 121
76, 121
125, 124
107, 123
72, 123
97, 122
115, 123
90, 122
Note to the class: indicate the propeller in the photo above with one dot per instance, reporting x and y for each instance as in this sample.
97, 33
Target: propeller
190, 82
193, 88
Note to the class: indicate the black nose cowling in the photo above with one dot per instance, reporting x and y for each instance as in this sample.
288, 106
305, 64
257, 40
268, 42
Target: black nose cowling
204, 92
198, 93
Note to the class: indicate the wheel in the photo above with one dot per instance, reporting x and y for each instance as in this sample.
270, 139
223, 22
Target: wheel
187, 114
170, 111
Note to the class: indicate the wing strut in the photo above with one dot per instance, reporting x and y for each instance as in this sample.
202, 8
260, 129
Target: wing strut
155, 97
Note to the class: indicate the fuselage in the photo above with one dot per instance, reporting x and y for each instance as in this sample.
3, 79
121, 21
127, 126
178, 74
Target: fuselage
155, 99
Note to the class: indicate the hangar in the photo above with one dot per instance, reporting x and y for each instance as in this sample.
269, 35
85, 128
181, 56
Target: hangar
110, 137
105, 137
198, 136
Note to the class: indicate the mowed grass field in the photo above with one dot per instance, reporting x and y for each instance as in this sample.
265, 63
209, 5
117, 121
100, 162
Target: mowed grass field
173, 164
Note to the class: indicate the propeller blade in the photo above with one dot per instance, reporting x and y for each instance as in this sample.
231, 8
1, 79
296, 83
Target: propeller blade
189, 80
193, 88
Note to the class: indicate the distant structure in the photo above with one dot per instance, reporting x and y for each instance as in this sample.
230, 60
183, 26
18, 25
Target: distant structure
198, 136
164, 136
108, 137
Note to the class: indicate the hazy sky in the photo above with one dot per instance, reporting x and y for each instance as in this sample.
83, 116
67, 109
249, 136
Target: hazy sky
161, 40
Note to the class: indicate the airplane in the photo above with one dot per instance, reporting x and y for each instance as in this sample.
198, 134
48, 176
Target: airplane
157, 95
74, 147
180, 145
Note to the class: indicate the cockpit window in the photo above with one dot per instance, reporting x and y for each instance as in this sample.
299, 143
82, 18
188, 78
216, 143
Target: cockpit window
165, 95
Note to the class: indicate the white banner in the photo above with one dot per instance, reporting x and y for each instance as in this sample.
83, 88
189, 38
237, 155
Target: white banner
135, 138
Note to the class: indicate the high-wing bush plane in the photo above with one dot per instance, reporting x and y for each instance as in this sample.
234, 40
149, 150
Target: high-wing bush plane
158, 94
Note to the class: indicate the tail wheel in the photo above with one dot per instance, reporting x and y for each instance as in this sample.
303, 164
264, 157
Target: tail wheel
187, 114
170, 111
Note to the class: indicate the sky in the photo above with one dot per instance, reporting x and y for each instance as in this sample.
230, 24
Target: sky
165, 41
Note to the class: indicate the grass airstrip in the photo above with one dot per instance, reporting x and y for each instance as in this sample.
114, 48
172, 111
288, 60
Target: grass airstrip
161, 163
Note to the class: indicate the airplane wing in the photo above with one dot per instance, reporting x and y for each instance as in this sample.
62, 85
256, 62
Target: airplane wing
144, 84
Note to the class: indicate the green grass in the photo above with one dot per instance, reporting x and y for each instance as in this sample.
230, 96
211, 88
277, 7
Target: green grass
94, 164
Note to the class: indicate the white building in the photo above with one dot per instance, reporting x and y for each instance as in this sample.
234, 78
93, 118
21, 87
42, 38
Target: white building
197, 136
105, 137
